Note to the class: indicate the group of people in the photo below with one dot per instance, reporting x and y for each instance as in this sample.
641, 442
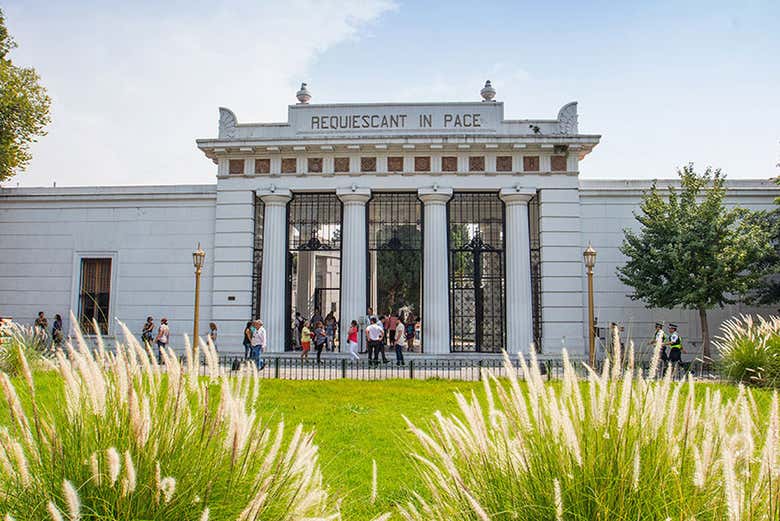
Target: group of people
42, 329
329, 326
397, 331
163, 335
672, 341
254, 342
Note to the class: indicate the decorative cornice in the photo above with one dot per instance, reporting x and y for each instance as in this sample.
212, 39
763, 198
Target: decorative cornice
273, 196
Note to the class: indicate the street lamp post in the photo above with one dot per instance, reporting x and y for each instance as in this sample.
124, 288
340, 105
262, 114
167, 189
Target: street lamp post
198, 258
590, 260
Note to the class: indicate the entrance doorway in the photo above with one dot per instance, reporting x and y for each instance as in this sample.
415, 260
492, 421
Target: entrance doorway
395, 257
313, 260
476, 244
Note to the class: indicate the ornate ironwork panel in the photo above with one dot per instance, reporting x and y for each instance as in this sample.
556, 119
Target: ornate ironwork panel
314, 222
257, 257
477, 295
536, 269
395, 252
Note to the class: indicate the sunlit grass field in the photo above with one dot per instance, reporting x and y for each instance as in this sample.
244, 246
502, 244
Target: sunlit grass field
356, 422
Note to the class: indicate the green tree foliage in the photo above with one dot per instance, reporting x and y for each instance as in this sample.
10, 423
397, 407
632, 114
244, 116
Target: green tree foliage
690, 250
768, 291
24, 109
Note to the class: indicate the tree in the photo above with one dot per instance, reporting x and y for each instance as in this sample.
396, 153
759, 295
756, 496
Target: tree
24, 109
690, 250
768, 291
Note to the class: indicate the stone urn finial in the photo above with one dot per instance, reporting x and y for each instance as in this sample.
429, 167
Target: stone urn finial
488, 92
303, 95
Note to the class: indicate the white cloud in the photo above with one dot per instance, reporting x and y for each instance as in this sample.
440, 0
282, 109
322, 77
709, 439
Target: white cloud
134, 87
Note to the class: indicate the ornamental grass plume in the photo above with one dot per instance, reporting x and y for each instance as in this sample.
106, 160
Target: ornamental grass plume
25, 340
131, 439
749, 350
620, 445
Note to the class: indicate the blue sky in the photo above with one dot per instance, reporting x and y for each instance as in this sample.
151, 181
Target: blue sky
134, 84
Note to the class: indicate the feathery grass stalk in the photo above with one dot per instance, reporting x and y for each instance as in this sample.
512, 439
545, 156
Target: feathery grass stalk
749, 350
622, 445
132, 439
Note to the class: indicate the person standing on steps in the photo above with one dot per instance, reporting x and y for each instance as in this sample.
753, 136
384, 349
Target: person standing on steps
213, 334
305, 341
56, 332
374, 334
320, 339
400, 342
352, 340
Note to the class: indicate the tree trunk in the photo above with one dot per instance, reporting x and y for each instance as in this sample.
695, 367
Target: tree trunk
705, 336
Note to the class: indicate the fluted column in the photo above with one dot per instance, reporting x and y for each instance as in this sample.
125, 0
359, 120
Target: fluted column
519, 304
272, 295
436, 290
353, 258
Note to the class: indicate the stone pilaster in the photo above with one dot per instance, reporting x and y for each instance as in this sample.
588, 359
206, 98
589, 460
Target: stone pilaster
353, 257
519, 303
436, 291
272, 299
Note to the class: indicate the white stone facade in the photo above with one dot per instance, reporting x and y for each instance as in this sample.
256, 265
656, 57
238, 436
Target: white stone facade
353, 152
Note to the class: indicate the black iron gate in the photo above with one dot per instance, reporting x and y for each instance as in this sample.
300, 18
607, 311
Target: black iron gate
476, 244
395, 253
314, 225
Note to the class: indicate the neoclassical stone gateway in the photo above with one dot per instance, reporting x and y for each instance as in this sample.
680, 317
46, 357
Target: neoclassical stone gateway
432, 208
473, 223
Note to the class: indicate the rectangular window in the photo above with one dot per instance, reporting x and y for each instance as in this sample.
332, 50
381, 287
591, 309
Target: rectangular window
263, 166
531, 163
368, 164
289, 165
94, 294
395, 164
422, 164
341, 164
476, 163
449, 164
236, 167
315, 165
504, 164
558, 163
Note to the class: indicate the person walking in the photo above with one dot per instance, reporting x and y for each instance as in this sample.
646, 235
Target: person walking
162, 339
147, 332
375, 333
213, 335
320, 339
56, 332
675, 345
247, 342
352, 340
305, 341
258, 344
659, 338
330, 331
400, 343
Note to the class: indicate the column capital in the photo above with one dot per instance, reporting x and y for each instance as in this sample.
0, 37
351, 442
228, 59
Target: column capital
274, 196
517, 195
434, 195
354, 195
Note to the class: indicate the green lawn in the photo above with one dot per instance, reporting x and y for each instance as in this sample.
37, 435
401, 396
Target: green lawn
356, 422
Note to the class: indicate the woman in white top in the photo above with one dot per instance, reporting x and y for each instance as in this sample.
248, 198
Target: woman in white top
163, 336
